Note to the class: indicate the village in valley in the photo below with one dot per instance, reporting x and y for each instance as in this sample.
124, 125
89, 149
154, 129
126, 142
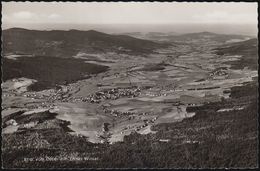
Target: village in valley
137, 96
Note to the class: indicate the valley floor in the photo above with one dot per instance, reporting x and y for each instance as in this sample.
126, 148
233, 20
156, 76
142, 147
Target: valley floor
184, 107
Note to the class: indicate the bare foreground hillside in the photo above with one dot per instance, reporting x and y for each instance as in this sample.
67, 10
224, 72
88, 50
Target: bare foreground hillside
86, 99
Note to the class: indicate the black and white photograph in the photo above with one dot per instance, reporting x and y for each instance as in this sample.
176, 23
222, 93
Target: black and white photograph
115, 85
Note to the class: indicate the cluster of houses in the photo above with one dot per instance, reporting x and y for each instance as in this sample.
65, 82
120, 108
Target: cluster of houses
28, 125
219, 74
146, 122
141, 126
60, 93
33, 95
113, 94
41, 105
156, 94
21, 126
117, 113
8, 94
11, 122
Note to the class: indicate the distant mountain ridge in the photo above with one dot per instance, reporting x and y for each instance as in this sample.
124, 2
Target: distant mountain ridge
175, 37
68, 43
221, 38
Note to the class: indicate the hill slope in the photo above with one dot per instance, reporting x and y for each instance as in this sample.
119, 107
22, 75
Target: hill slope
68, 43
49, 71
247, 49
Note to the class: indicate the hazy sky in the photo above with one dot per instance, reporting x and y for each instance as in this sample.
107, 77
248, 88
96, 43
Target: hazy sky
15, 13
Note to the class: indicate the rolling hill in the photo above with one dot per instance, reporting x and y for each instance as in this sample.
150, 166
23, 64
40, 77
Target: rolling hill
68, 43
247, 49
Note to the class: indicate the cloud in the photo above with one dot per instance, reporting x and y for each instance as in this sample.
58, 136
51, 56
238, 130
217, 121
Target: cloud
24, 15
31, 17
53, 16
